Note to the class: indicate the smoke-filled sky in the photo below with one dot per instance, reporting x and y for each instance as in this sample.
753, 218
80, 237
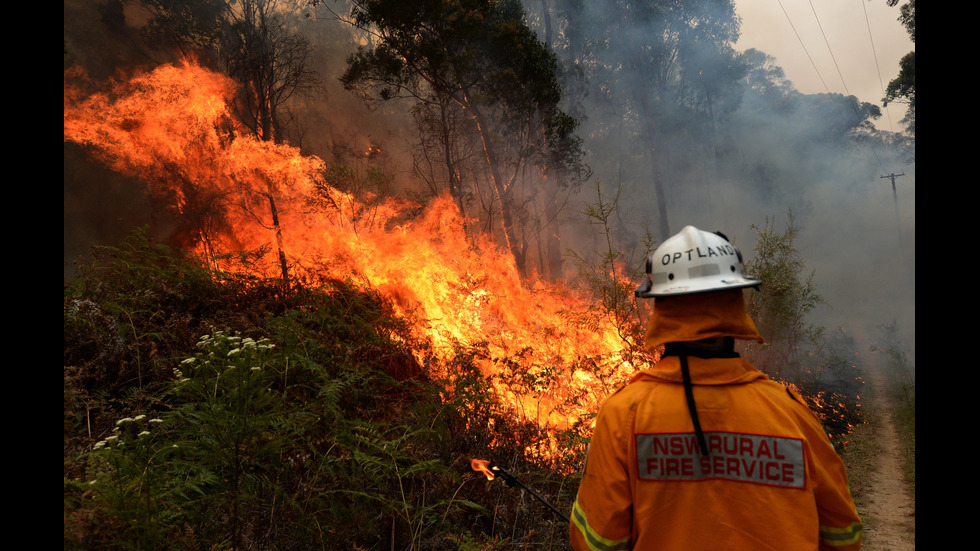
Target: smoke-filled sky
851, 47
861, 246
856, 234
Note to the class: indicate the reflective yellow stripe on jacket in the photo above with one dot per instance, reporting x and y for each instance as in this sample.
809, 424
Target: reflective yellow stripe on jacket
595, 541
839, 537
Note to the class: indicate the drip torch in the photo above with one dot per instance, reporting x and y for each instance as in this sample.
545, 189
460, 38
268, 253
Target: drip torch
491, 471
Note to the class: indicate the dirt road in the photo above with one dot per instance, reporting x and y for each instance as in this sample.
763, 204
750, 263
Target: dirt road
888, 512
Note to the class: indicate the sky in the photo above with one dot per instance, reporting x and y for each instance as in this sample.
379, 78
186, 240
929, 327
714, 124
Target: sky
862, 251
852, 47
861, 247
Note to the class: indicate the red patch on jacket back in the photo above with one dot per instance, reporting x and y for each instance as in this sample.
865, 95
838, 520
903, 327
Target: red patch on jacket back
760, 459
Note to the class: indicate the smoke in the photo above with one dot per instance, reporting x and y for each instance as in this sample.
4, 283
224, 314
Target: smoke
102, 41
776, 154
769, 159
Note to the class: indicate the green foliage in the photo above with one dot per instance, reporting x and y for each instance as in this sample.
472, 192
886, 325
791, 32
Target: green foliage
231, 425
479, 62
902, 88
327, 434
394, 480
603, 274
213, 453
823, 367
106, 321
781, 305
132, 485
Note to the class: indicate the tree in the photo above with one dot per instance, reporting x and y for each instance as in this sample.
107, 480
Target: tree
781, 305
667, 69
777, 130
480, 57
902, 88
249, 41
192, 27
272, 62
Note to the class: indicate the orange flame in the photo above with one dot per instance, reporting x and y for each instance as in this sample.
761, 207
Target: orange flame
549, 358
483, 466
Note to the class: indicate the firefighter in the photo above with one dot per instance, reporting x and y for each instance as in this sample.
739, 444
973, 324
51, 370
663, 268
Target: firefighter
703, 451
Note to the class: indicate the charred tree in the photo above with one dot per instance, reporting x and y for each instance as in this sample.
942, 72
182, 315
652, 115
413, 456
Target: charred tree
480, 56
249, 41
666, 69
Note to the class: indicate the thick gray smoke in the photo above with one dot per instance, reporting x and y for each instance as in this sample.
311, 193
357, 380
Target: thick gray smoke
855, 237
776, 154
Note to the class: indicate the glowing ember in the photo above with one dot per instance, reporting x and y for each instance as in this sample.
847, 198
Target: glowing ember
550, 358
483, 466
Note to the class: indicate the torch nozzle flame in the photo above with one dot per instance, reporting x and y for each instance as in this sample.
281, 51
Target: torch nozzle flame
488, 468
483, 466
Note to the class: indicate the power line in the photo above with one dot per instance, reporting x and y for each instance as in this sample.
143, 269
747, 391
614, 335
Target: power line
874, 53
805, 50
829, 49
836, 103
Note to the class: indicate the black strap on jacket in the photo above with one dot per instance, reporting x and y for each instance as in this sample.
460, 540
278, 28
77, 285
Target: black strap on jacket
689, 392
723, 349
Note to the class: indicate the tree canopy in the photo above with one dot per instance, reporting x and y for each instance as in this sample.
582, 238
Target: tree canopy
667, 68
902, 88
480, 57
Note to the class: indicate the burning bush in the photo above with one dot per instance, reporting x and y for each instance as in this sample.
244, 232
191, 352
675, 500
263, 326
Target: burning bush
335, 425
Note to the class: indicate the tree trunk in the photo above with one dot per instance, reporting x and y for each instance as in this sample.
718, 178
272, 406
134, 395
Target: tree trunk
501, 191
552, 225
658, 189
455, 184
553, 230
277, 229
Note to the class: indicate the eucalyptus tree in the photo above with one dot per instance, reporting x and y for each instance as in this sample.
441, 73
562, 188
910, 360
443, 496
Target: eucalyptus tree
902, 88
250, 41
665, 69
783, 141
477, 58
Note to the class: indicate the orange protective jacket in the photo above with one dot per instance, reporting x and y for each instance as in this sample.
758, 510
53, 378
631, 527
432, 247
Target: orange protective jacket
770, 480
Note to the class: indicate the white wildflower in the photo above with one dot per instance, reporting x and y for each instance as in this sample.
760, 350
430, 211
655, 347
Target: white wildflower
142, 434
139, 417
123, 421
156, 420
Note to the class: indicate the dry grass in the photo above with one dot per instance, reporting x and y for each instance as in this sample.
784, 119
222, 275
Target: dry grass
861, 458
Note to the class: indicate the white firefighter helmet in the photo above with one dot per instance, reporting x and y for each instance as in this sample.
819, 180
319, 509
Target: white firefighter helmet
694, 261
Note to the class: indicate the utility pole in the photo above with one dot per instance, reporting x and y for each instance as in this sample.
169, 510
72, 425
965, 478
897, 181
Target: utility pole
892, 177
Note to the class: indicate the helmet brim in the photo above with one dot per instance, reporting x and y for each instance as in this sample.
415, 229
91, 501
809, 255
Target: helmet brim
698, 287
